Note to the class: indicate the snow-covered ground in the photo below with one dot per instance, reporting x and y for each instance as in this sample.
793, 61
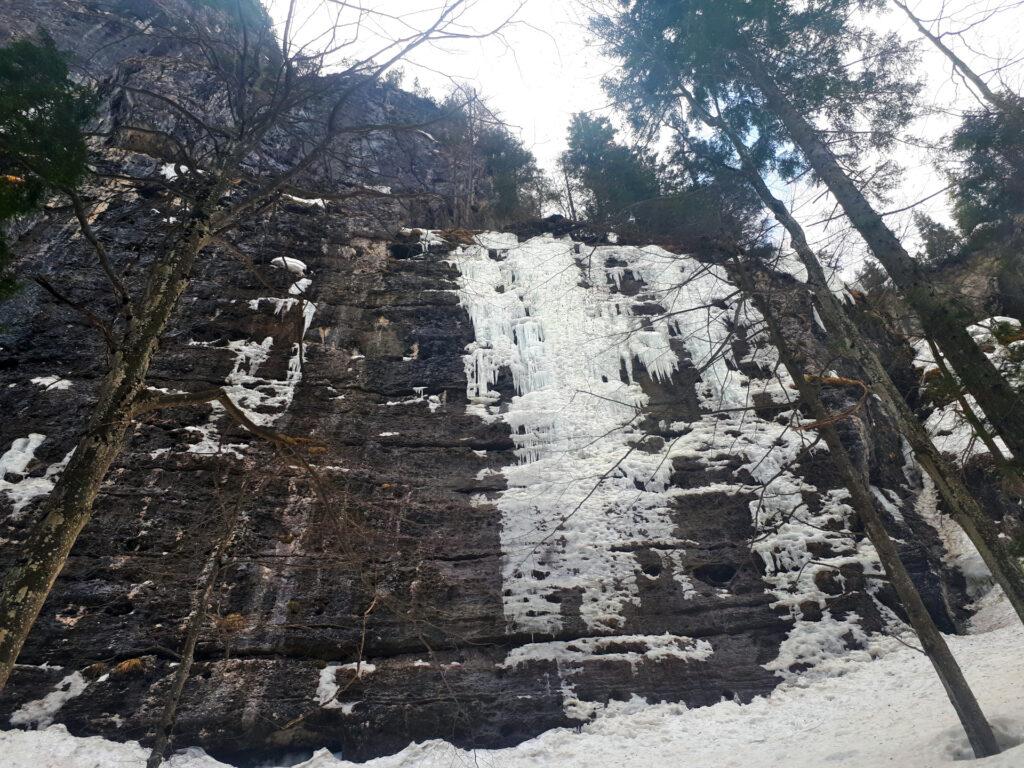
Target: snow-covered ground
890, 711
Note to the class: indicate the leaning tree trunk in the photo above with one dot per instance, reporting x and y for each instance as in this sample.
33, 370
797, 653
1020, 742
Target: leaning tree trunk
848, 341
68, 507
978, 730
939, 316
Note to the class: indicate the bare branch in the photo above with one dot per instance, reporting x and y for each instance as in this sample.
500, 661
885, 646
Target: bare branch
89, 315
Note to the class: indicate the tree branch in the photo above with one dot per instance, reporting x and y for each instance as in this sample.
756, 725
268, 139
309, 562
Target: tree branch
94, 320
101, 252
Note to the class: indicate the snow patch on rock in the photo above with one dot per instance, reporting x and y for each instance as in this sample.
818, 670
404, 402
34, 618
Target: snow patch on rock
15, 461
40, 713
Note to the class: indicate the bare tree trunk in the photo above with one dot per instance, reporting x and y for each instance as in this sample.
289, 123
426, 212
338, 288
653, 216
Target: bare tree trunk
848, 341
68, 507
568, 195
940, 317
978, 730
200, 609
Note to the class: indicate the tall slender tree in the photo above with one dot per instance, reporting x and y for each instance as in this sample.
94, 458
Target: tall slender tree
973, 720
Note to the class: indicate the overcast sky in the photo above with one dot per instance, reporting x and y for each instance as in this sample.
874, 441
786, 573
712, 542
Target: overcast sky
544, 67
536, 73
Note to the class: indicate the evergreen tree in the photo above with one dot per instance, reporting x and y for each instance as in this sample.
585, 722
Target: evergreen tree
989, 182
519, 188
495, 178
941, 244
613, 178
42, 148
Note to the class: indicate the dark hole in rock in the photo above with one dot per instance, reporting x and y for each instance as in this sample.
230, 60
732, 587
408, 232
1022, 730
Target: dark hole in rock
829, 582
620, 647
623, 372
715, 574
119, 607
651, 569
810, 611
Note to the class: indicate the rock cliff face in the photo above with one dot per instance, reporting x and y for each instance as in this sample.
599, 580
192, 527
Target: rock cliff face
544, 477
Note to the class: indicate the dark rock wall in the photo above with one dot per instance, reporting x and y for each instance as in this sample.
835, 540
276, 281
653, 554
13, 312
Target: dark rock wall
375, 553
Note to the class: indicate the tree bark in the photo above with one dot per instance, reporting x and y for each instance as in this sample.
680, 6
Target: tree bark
939, 316
978, 730
68, 507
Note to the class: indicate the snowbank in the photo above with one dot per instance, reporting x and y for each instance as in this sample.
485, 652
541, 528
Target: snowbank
887, 712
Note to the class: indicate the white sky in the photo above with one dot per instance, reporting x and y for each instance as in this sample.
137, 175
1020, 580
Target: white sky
544, 67
539, 72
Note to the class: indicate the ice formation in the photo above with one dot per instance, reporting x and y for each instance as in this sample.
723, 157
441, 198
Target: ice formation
574, 651
549, 314
263, 400
295, 266
328, 689
52, 382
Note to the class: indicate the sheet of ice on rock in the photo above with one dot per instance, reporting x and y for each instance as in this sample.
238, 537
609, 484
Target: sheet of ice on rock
263, 400
581, 498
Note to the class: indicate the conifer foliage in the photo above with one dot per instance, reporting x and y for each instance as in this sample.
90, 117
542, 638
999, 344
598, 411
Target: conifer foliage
42, 147
612, 177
